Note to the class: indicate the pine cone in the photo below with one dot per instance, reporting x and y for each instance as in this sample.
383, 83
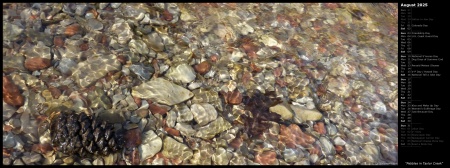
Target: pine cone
80, 134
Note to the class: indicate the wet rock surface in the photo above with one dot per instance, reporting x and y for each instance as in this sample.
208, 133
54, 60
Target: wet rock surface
234, 84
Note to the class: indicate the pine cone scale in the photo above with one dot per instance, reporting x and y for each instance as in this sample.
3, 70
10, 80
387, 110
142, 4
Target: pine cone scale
80, 134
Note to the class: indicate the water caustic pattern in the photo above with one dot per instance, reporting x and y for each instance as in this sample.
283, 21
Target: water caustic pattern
202, 83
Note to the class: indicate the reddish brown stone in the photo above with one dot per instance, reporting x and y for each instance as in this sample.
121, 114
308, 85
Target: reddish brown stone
236, 143
155, 109
214, 58
355, 108
339, 149
167, 15
46, 147
84, 46
203, 67
365, 132
36, 148
231, 5
135, 158
255, 68
246, 77
281, 82
278, 71
58, 41
331, 5
315, 150
234, 98
293, 135
104, 40
354, 93
247, 44
55, 92
11, 93
72, 30
321, 90
320, 128
381, 130
133, 138
381, 63
138, 101
266, 158
252, 55
122, 59
358, 122
66, 90
7, 128
321, 48
37, 63
340, 51
294, 42
348, 101
172, 131
6, 152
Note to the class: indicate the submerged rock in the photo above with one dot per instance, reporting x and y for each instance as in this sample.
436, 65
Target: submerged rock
162, 91
181, 73
213, 128
89, 71
303, 114
175, 150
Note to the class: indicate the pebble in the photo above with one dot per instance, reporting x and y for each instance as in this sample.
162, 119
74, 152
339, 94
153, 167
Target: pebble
234, 97
209, 131
283, 111
266, 158
203, 67
72, 30
133, 138
221, 156
68, 160
327, 146
37, 63
8, 140
185, 129
98, 161
151, 145
58, 41
95, 24
8, 110
293, 135
291, 155
172, 131
143, 113
339, 141
11, 93
167, 15
181, 73
339, 149
355, 108
160, 90
320, 128
6, 161
203, 113
85, 162
173, 149
109, 62
303, 114
18, 162
156, 109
